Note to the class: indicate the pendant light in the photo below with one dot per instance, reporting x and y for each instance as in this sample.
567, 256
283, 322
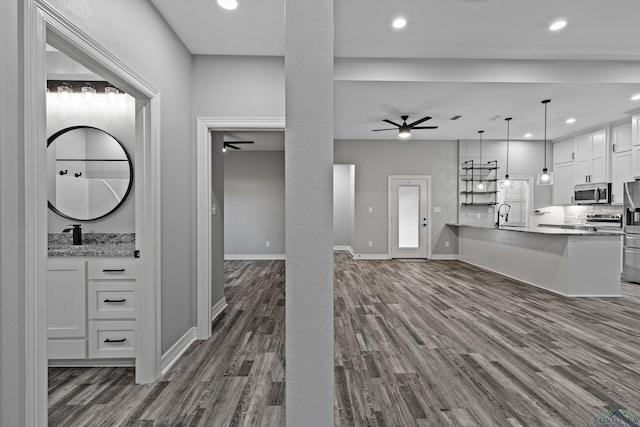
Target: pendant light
545, 177
507, 181
480, 183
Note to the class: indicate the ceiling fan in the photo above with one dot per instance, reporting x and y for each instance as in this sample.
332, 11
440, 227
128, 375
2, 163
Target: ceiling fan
231, 144
404, 130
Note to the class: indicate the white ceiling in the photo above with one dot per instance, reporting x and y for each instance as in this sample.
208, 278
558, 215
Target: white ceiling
452, 29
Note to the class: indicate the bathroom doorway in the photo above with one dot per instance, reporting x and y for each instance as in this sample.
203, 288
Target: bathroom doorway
46, 25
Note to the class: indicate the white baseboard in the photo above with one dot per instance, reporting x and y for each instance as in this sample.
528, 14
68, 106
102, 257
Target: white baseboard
371, 256
344, 248
91, 363
445, 257
248, 257
173, 354
218, 308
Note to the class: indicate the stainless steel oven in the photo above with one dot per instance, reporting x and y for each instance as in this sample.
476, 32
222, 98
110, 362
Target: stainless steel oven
592, 193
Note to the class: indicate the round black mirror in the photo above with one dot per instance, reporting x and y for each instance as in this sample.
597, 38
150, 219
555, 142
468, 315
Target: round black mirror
90, 173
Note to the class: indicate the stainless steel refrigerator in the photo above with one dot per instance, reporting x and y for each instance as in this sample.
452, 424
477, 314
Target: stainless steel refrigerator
631, 221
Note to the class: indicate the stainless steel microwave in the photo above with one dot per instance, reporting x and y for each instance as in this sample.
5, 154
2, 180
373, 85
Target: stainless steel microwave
592, 193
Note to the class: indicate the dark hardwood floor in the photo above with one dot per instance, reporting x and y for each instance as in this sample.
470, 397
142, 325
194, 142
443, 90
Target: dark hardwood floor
416, 343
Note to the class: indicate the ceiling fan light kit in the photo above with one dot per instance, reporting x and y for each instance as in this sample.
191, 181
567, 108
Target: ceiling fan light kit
404, 129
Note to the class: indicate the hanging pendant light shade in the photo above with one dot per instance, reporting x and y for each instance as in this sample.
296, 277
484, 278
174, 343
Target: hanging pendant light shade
507, 181
545, 177
480, 183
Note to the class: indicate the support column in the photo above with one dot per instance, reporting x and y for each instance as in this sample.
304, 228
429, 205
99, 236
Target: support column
309, 212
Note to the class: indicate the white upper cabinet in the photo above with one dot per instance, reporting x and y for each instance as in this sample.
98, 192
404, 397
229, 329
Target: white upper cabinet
564, 171
621, 138
564, 175
621, 160
592, 157
635, 148
564, 151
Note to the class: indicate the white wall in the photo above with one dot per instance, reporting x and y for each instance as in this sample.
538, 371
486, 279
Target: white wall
374, 161
254, 203
138, 35
116, 117
343, 205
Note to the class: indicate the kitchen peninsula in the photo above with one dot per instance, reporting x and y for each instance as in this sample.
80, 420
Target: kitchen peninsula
570, 262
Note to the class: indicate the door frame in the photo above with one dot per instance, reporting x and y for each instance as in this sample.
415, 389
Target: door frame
43, 24
204, 127
390, 178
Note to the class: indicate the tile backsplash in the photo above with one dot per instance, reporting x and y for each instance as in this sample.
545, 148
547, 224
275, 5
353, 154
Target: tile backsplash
578, 214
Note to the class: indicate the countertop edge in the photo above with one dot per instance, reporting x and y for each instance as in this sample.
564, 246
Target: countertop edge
543, 230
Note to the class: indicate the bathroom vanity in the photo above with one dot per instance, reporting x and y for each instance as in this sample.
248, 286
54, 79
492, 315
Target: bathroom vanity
91, 304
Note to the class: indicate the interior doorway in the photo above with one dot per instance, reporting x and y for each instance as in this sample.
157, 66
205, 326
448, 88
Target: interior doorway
46, 25
409, 217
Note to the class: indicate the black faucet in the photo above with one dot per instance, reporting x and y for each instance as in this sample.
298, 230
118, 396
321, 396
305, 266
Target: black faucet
505, 215
77, 233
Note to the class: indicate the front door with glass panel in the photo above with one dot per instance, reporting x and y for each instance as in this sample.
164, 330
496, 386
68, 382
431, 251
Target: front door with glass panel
408, 218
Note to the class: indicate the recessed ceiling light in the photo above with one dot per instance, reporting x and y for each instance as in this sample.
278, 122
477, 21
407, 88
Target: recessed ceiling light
558, 25
528, 135
399, 23
636, 97
570, 120
228, 4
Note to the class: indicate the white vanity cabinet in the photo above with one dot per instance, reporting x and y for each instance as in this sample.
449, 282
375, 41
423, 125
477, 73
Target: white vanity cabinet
67, 309
112, 332
91, 308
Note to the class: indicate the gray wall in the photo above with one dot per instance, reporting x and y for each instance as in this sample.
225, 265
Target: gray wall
117, 119
238, 86
375, 160
141, 31
12, 227
254, 202
343, 205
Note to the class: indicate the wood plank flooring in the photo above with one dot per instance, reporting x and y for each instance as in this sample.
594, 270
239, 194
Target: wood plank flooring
416, 343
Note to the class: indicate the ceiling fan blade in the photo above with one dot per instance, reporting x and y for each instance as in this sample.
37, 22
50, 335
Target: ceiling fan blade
425, 127
392, 123
417, 122
376, 130
231, 146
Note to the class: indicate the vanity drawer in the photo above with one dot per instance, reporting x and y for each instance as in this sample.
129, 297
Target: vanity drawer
112, 300
109, 269
109, 339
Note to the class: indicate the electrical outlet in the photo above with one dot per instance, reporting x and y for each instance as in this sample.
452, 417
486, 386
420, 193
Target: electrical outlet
213, 209
370, 209
268, 243
446, 244
370, 243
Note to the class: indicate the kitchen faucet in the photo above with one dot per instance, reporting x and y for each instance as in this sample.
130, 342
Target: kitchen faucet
505, 215
77, 233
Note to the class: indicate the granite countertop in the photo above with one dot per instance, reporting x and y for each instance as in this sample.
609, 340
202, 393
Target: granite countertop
547, 230
94, 244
